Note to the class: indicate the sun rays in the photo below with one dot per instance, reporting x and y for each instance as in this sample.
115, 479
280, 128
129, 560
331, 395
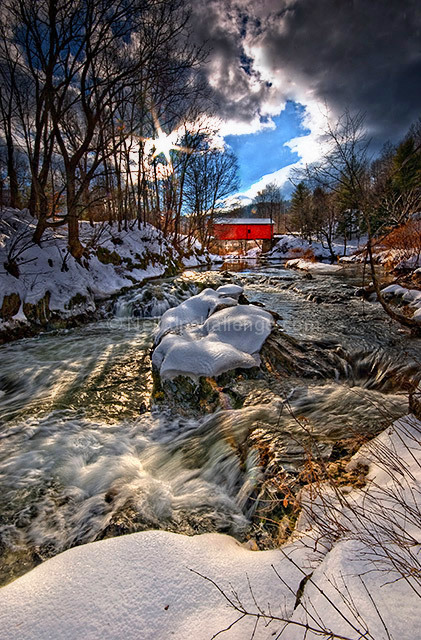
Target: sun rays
162, 144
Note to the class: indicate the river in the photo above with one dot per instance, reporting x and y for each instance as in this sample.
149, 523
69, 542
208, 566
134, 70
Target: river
82, 457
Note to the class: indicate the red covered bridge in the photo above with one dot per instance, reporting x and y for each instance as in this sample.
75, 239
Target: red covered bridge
243, 229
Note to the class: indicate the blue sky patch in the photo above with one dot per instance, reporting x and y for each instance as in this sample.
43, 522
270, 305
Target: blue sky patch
264, 152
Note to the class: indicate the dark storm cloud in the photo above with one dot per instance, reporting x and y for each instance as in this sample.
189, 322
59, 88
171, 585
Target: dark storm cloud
222, 27
362, 55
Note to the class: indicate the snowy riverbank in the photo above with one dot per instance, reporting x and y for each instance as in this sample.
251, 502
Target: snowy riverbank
40, 285
345, 578
289, 246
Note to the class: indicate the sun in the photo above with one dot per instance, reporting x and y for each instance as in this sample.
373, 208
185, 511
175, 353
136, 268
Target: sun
163, 143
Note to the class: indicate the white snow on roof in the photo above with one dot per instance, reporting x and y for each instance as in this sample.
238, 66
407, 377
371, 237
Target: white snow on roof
248, 221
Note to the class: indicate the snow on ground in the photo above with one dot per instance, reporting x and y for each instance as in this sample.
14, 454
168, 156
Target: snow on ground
141, 585
290, 246
398, 258
138, 587
250, 254
293, 246
197, 255
314, 267
253, 253
370, 578
209, 334
115, 260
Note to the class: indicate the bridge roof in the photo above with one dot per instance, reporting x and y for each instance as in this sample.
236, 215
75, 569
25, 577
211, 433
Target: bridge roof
248, 221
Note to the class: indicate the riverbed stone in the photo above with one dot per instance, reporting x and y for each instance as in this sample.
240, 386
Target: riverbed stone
283, 358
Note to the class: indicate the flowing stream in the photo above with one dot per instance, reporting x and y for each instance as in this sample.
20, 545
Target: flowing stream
82, 456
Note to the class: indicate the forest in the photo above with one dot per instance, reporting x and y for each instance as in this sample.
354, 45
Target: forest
88, 91
210, 320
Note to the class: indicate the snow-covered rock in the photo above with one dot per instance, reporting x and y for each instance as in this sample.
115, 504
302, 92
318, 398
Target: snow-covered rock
411, 297
394, 290
193, 311
230, 291
314, 267
210, 334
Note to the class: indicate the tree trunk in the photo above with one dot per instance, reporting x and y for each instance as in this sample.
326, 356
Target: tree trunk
13, 178
39, 230
41, 211
75, 246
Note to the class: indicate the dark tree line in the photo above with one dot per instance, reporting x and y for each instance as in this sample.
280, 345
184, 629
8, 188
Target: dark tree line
83, 87
348, 193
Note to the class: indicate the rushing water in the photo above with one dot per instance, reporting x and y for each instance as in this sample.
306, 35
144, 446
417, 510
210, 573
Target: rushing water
82, 457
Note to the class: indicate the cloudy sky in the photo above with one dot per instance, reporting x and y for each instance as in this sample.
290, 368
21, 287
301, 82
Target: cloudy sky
276, 67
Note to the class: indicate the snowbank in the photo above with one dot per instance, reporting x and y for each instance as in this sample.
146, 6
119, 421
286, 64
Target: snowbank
314, 267
253, 253
196, 255
394, 259
290, 246
365, 582
210, 334
141, 586
138, 587
293, 246
36, 282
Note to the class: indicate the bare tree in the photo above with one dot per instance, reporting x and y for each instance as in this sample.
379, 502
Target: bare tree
211, 177
270, 203
82, 63
8, 73
344, 171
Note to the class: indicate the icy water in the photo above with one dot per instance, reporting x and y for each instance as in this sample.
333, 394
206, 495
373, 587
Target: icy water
82, 457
